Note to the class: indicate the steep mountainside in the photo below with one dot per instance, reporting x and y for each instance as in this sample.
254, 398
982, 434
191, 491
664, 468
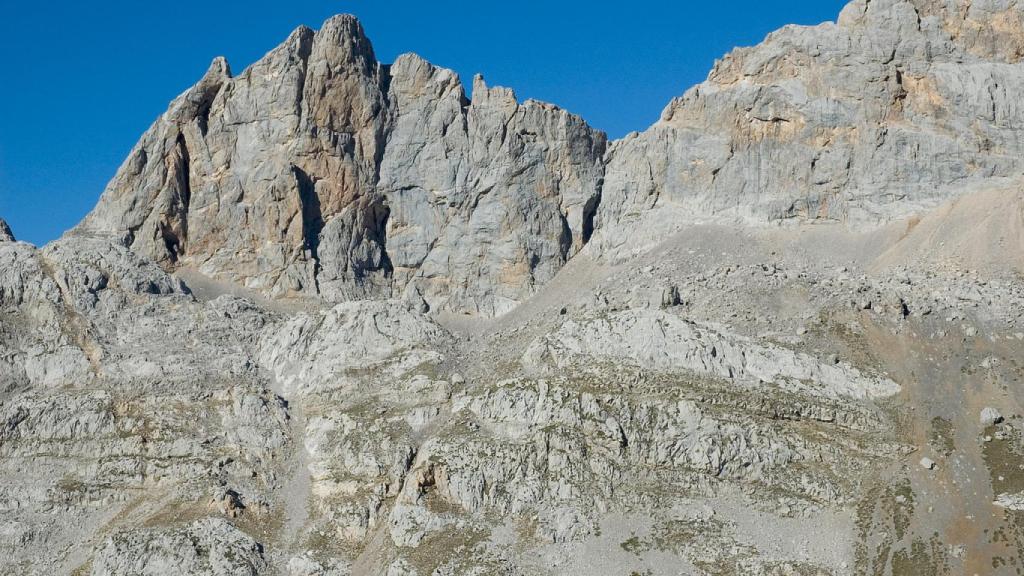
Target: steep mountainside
894, 109
332, 317
319, 170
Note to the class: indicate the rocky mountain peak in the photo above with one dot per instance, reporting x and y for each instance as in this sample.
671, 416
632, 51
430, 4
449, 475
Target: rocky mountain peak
5, 232
321, 172
318, 171
343, 36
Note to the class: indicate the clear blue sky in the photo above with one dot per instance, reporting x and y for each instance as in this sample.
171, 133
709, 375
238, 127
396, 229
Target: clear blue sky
83, 80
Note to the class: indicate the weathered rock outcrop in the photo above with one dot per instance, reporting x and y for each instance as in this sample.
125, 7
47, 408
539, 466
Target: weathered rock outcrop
5, 232
208, 547
891, 110
319, 170
657, 341
488, 199
241, 175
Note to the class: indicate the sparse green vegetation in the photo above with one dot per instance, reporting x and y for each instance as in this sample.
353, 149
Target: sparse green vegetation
941, 436
632, 545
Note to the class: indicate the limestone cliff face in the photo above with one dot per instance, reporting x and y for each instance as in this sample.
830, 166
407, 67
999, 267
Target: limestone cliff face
891, 110
319, 171
488, 199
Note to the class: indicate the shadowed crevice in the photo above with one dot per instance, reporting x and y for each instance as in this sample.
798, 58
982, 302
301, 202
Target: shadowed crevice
312, 216
590, 213
173, 227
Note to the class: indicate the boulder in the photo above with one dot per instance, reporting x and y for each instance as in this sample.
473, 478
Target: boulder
990, 417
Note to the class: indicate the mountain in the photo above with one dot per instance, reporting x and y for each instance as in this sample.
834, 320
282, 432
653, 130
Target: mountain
320, 171
332, 316
895, 109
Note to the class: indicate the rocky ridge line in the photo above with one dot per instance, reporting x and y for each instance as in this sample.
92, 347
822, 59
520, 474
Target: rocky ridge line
320, 171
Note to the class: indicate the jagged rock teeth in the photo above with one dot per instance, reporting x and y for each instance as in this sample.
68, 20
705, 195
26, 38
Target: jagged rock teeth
5, 232
318, 171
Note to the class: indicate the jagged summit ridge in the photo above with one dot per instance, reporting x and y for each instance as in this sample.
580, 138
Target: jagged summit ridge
320, 171
5, 232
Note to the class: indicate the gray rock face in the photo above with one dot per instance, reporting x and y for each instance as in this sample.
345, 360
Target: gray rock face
895, 108
5, 232
208, 547
674, 344
495, 206
241, 175
320, 171
106, 397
